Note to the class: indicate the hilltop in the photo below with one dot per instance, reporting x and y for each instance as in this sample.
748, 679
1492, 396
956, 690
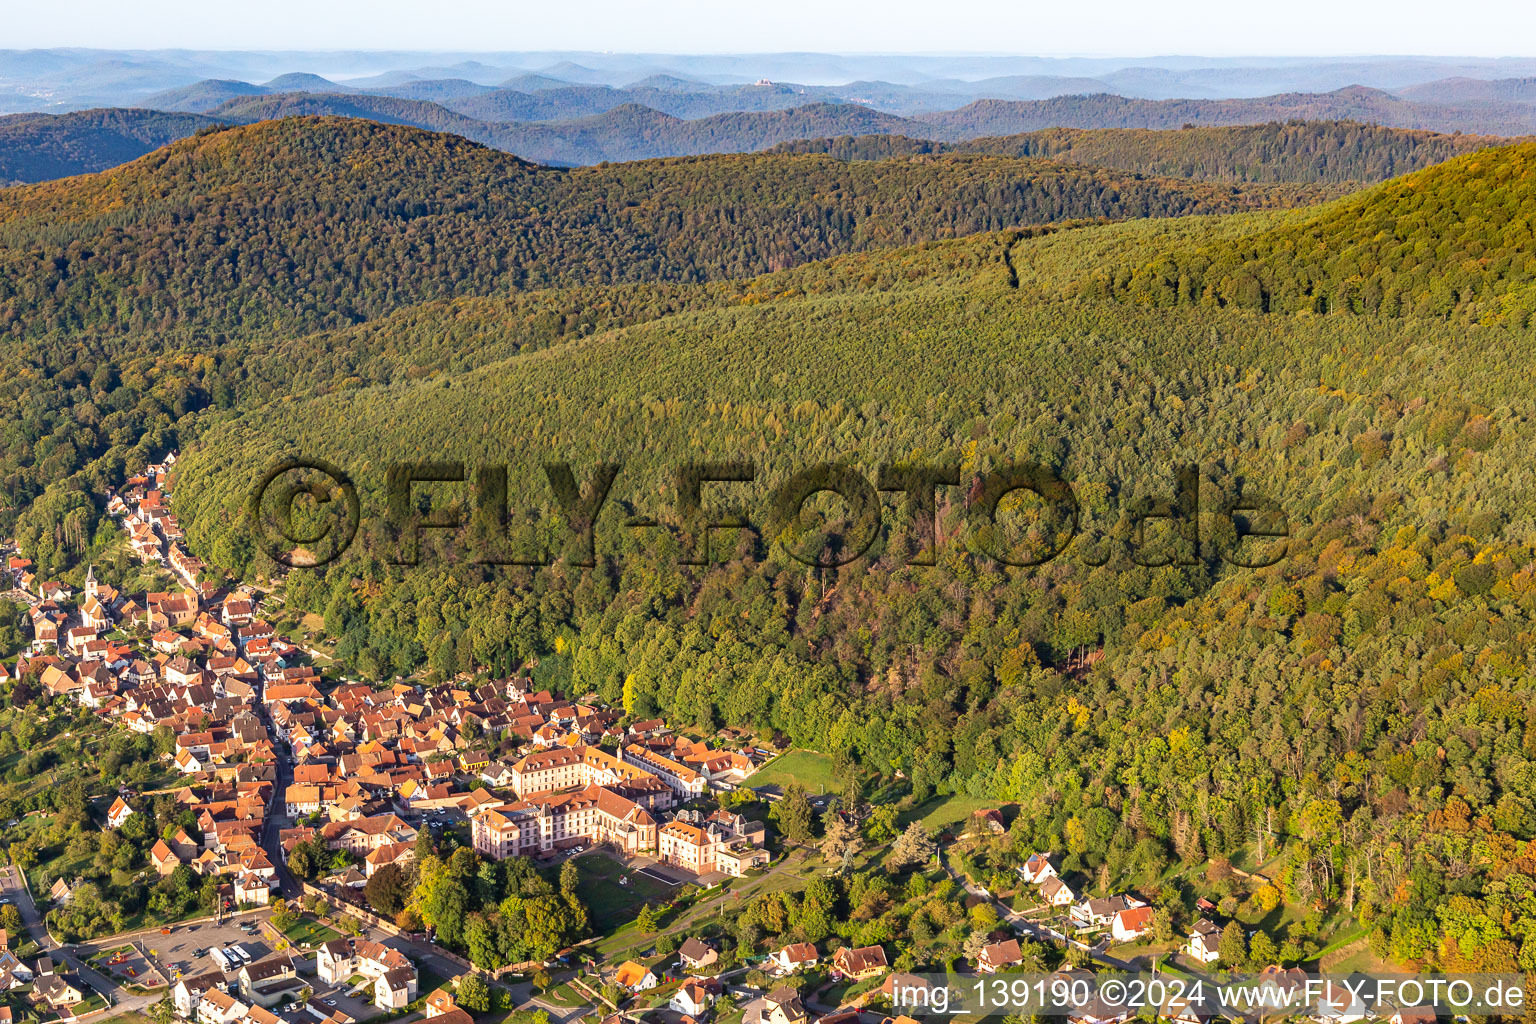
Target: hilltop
37, 147
1311, 151
1455, 239
201, 97
489, 221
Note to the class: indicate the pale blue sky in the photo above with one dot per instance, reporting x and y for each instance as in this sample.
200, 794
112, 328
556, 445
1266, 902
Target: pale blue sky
1098, 27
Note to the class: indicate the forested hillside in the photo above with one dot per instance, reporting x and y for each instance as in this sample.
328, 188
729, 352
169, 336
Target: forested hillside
1363, 703
1311, 151
86, 254
1356, 716
1454, 240
201, 97
1297, 151
627, 131
37, 147
1104, 110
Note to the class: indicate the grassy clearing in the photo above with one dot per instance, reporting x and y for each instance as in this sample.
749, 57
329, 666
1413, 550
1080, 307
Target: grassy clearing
807, 767
613, 904
307, 931
943, 811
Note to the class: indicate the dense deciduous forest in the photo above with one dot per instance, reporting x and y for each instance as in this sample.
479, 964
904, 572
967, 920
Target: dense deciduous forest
1454, 240
297, 224
1361, 708
36, 147
1298, 151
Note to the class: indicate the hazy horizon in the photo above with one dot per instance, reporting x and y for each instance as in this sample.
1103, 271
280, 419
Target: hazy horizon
1117, 29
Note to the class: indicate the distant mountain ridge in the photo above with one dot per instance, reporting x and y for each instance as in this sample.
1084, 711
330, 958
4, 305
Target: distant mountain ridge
1356, 103
1474, 90
498, 221
618, 128
36, 147
1280, 151
64, 79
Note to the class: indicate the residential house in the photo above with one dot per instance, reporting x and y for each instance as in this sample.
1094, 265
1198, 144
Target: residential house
1204, 941
860, 963
498, 774
252, 890
1185, 1009
797, 956
13, 973
339, 959
439, 1004
362, 835
393, 989
1056, 892
393, 853
1096, 913
905, 989
1338, 1005
1131, 923
694, 996
268, 981
57, 990
118, 813
189, 992
783, 1006
999, 955
219, 1007
986, 822
695, 953
1037, 868
163, 857
633, 977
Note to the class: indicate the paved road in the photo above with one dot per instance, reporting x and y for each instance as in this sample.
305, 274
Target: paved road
1039, 931
276, 818
16, 891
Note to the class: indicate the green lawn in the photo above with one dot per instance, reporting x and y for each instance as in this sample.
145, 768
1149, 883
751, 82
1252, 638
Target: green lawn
807, 767
309, 932
427, 982
613, 904
942, 811
566, 995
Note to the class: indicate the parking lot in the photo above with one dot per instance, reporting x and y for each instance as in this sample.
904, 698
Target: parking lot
176, 953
